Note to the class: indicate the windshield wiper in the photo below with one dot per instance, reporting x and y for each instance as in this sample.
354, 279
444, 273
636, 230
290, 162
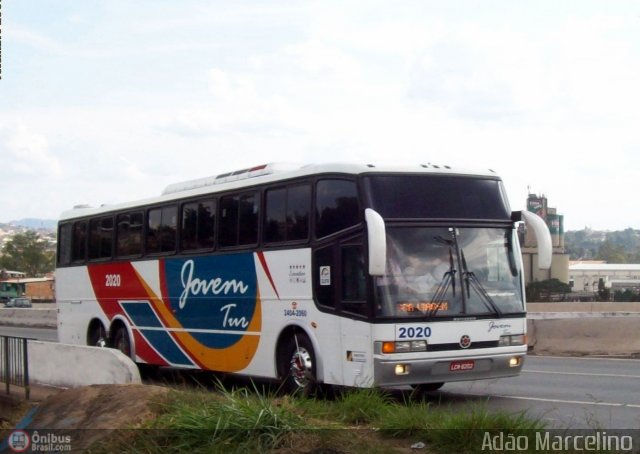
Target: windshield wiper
448, 280
471, 280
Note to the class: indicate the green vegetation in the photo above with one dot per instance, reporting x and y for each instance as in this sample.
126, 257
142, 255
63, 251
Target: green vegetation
547, 290
29, 253
367, 420
622, 246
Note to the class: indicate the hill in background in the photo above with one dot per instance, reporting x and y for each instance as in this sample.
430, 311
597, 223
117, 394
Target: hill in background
35, 223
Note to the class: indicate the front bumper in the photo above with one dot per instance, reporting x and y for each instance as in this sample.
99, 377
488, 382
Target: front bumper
435, 370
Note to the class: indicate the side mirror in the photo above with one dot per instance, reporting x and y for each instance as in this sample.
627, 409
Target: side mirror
377, 237
543, 238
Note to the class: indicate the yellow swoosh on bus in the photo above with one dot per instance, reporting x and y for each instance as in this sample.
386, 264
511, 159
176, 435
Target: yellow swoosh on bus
230, 359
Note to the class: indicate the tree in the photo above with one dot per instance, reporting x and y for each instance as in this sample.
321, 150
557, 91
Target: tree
612, 252
542, 291
27, 252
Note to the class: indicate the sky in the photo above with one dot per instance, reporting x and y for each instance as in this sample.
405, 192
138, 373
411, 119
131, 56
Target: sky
111, 101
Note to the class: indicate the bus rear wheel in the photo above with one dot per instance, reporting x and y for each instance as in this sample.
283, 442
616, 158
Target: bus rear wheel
97, 335
121, 341
298, 365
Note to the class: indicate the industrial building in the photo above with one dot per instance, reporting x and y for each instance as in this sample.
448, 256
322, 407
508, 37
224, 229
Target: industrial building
560, 260
586, 278
593, 275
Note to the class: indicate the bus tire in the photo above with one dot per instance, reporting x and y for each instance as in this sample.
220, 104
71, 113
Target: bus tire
427, 387
298, 365
121, 340
97, 335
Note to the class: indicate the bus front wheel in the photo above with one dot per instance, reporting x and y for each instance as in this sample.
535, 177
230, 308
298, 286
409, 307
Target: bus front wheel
298, 365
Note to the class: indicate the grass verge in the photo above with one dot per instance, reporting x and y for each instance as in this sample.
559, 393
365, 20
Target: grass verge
364, 420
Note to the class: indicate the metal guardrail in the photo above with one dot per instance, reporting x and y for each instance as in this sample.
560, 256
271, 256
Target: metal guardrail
14, 363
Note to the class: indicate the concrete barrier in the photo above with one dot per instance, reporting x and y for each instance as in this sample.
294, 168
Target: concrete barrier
33, 318
70, 366
584, 307
599, 335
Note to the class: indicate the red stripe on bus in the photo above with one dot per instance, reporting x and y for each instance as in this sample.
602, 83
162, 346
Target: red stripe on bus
265, 267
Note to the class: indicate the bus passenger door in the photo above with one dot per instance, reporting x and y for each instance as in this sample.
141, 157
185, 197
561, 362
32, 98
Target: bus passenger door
357, 369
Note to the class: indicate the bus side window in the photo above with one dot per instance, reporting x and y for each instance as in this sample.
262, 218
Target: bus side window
161, 229
354, 288
100, 238
248, 219
228, 221
298, 208
275, 216
287, 214
239, 219
198, 225
129, 234
78, 241
65, 235
336, 206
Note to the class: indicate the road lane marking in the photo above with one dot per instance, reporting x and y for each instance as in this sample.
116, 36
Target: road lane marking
536, 371
557, 401
578, 358
561, 401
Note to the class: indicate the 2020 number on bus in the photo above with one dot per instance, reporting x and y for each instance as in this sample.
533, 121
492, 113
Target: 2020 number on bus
413, 332
112, 280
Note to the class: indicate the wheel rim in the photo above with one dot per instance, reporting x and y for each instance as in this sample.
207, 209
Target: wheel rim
101, 341
301, 367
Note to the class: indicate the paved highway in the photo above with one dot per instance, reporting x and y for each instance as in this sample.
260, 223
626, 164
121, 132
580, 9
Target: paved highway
43, 334
565, 392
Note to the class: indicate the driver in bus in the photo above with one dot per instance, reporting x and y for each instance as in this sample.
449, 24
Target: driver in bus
424, 274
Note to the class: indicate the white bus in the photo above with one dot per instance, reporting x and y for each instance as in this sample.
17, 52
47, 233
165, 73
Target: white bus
353, 275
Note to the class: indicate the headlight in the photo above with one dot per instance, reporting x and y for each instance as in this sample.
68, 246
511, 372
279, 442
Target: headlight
515, 361
404, 346
513, 339
418, 346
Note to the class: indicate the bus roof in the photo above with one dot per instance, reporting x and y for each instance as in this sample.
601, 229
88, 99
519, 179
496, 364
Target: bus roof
267, 173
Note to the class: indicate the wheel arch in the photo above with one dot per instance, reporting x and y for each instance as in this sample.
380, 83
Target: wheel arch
289, 332
95, 324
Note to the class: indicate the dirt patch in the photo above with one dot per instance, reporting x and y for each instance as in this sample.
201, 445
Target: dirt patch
99, 407
11, 411
92, 413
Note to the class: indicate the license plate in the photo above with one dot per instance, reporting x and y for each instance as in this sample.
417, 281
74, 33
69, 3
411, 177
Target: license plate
457, 366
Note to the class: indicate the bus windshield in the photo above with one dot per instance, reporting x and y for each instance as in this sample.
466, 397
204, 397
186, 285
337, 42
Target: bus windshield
449, 272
